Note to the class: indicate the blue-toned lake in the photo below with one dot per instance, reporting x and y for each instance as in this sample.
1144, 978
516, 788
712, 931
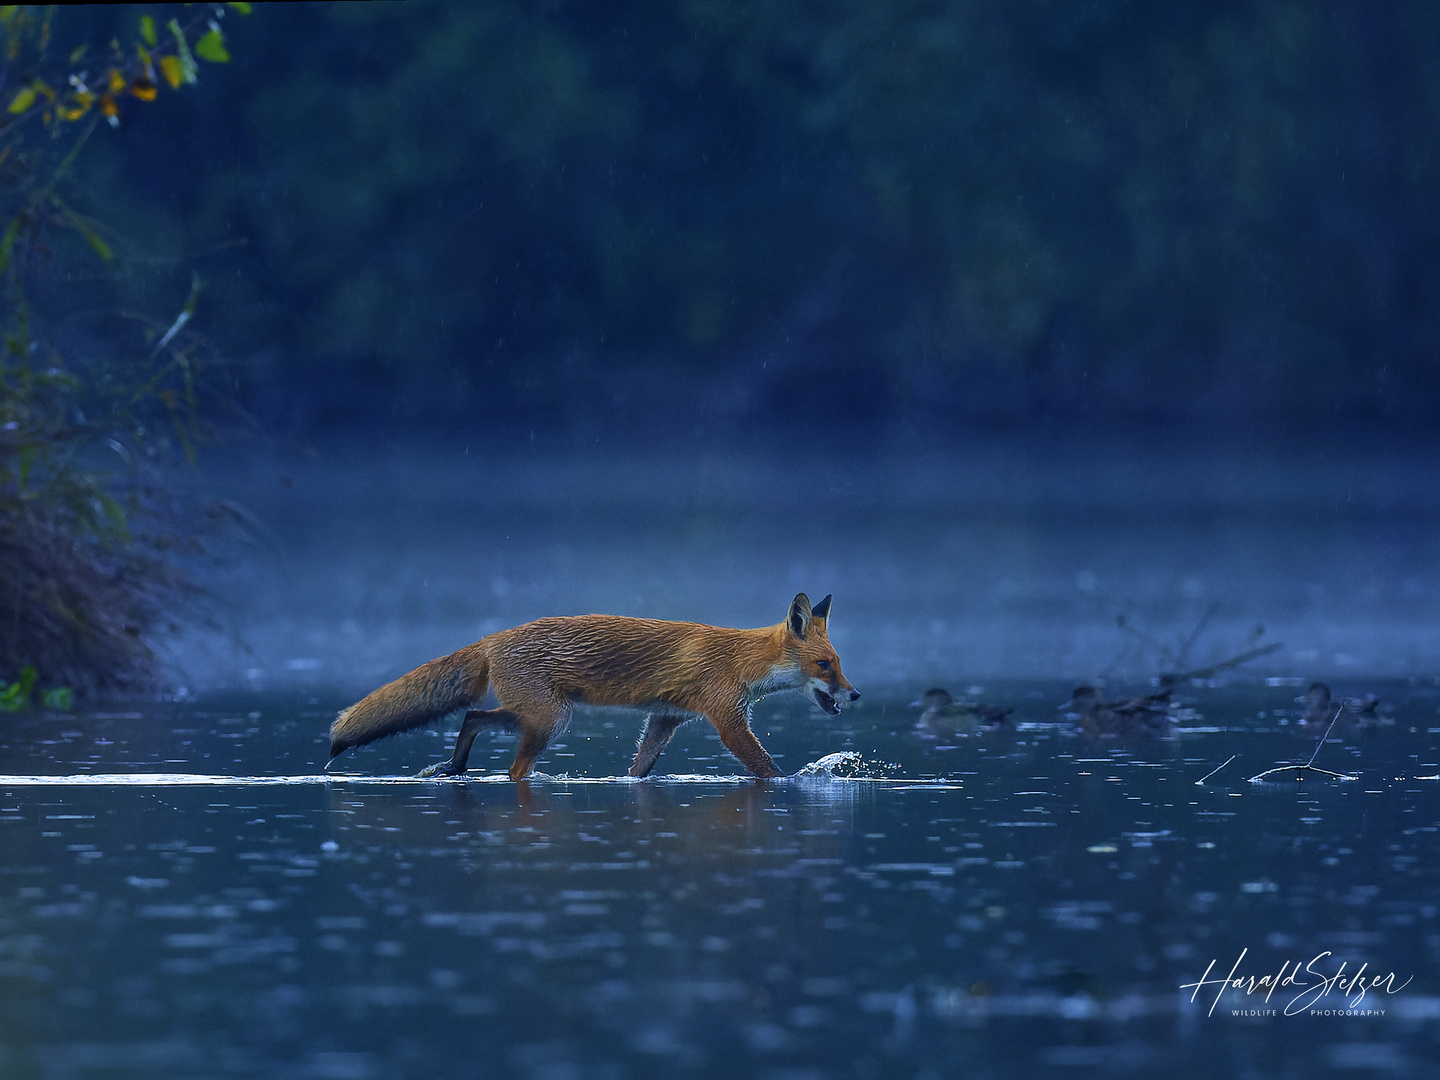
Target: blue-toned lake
185, 893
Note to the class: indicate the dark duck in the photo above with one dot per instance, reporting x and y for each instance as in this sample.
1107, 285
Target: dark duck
944, 715
1138, 717
1318, 709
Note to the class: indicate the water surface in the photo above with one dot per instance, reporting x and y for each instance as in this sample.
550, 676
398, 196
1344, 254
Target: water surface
185, 894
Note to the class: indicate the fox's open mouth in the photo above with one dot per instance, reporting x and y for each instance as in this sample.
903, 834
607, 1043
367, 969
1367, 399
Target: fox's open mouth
825, 701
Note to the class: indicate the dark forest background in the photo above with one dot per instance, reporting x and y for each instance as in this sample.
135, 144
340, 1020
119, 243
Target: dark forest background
575, 215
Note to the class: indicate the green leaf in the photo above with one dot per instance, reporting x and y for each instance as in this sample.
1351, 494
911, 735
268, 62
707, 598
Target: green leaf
147, 30
16, 696
60, 698
23, 99
28, 456
115, 514
80, 225
7, 242
211, 46
182, 52
242, 8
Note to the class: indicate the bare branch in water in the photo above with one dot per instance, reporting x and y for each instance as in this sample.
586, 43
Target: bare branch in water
1174, 678
1189, 643
1212, 772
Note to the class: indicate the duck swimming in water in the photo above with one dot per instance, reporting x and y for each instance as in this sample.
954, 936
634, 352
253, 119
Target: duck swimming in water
1142, 716
1318, 709
943, 714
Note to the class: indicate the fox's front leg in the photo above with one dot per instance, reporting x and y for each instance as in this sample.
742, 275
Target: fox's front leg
735, 733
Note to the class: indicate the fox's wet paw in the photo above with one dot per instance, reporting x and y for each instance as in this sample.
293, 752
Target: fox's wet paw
440, 768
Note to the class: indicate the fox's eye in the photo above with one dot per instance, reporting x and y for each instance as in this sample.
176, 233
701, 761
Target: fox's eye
823, 665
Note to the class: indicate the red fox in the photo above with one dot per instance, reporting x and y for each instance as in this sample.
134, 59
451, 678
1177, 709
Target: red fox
675, 671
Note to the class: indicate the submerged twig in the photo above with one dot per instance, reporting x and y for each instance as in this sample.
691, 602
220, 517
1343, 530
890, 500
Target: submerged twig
1212, 772
1302, 769
1309, 766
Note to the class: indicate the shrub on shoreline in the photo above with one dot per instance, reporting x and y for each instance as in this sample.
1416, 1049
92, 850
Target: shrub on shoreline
88, 527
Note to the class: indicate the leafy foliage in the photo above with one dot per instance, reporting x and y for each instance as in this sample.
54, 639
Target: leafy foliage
82, 541
126, 73
16, 696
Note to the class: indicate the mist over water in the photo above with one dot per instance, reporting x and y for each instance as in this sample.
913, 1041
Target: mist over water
1009, 556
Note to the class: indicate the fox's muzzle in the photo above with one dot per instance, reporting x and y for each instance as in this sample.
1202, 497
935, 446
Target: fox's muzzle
827, 701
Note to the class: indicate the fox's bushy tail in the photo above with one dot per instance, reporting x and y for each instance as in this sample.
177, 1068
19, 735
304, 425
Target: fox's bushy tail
429, 693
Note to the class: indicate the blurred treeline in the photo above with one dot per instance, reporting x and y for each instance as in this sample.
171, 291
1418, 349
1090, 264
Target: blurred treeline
576, 213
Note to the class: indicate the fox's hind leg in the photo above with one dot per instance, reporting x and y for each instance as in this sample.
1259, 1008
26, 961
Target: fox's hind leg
475, 719
658, 729
540, 721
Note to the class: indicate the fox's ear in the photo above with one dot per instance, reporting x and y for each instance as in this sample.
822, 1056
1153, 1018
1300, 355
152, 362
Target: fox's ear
821, 610
800, 615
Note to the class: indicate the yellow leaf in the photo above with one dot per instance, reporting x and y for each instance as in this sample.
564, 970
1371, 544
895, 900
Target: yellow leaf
144, 89
116, 81
170, 69
23, 99
77, 107
147, 30
108, 108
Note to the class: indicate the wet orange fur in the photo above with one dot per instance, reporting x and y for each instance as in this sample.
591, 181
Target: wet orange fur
675, 670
